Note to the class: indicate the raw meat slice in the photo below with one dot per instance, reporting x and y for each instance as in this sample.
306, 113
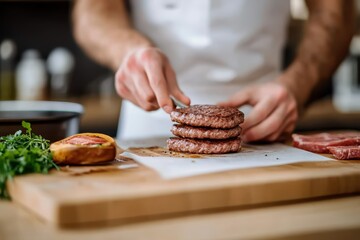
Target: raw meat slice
320, 142
85, 140
345, 152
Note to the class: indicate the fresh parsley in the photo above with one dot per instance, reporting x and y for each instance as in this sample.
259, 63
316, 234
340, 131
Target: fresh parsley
23, 153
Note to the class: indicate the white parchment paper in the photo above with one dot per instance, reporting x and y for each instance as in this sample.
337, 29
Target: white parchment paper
251, 156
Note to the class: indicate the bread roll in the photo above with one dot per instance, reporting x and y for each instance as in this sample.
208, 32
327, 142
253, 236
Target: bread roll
84, 148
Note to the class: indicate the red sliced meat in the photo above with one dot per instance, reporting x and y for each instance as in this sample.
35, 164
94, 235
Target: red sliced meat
85, 140
345, 152
320, 142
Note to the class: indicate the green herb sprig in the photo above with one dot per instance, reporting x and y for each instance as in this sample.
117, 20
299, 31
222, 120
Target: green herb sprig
23, 153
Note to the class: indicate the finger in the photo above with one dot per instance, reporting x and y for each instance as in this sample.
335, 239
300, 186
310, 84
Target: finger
238, 99
289, 124
124, 85
139, 102
260, 112
120, 86
174, 87
270, 125
284, 131
124, 82
286, 135
143, 92
288, 127
157, 80
275, 135
125, 94
135, 100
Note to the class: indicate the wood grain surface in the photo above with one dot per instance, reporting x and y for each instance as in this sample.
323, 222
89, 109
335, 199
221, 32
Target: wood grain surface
66, 199
318, 219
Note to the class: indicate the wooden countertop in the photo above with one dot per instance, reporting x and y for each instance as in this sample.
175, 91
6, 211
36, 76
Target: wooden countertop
335, 218
331, 218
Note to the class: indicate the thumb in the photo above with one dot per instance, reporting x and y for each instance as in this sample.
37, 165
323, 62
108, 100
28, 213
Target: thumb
238, 99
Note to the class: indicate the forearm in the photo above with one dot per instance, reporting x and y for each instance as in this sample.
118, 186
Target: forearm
325, 42
103, 30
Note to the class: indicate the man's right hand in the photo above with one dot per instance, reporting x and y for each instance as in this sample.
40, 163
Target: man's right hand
147, 79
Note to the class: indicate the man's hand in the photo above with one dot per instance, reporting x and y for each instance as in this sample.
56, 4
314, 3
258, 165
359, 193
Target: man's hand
274, 112
147, 79
327, 35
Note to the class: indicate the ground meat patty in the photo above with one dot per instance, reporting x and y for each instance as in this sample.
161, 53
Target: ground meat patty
208, 116
345, 152
187, 131
204, 146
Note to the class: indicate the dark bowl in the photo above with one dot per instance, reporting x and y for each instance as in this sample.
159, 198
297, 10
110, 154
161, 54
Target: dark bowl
50, 119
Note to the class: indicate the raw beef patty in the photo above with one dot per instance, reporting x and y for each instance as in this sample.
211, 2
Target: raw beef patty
204, 146
187, 131
208, 116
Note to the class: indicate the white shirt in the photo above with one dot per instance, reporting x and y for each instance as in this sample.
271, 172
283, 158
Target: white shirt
215, 48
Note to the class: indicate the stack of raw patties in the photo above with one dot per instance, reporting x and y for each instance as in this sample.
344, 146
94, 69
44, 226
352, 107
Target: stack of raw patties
207, 129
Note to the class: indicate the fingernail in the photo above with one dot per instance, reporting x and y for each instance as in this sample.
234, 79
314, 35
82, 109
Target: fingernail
167, 109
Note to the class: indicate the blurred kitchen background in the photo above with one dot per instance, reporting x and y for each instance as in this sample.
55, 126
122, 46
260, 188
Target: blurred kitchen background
37, 44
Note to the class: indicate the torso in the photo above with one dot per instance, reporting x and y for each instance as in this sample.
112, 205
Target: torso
215, 47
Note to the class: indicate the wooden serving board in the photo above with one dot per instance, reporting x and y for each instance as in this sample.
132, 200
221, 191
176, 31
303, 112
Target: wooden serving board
82, 195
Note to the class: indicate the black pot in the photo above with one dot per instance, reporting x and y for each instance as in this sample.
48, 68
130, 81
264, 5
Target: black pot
50, 119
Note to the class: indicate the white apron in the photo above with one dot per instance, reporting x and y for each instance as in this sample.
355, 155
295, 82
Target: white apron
215, 47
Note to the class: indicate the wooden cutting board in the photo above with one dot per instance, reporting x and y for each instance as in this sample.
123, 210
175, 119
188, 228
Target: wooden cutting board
82, 195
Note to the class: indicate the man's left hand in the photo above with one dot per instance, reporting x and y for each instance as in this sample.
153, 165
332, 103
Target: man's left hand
274, 112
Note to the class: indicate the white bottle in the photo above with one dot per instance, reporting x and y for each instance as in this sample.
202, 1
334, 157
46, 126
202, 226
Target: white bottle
31, 77
60, 64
